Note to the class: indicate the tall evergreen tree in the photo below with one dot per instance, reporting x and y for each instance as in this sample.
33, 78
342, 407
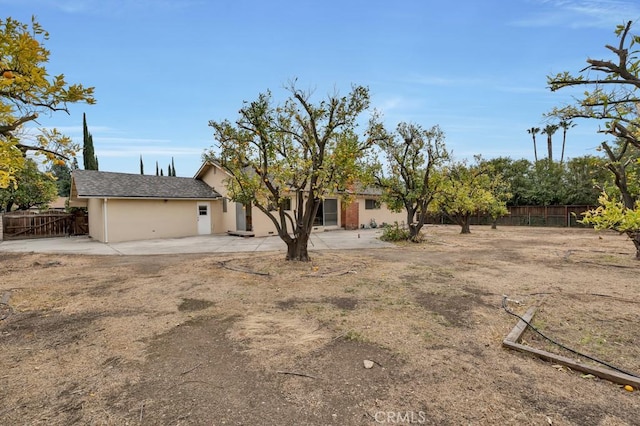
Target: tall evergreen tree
169, 173
173, 167
141, 166
157, 169
88, 152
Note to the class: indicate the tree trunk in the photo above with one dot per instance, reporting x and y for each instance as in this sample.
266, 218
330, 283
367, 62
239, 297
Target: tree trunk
494, 223
414, 231
465, 223
635, 237
297, 248
550, 148
535, 149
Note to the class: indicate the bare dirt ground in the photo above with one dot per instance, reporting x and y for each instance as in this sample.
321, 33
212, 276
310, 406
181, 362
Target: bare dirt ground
251, 339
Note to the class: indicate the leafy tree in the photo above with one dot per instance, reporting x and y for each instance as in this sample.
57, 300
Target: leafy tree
412, 178
516, 174
300, 149
33, 189
468, 189
26, 91
88, 151
546, 184
62, 174
584, 179
611, 96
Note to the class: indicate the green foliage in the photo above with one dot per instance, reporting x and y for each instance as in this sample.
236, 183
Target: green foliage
33, 189
410, 178
26, 91
296, 149
88, 151
62, 175
393, 233
613, 214
468, 189
612, 97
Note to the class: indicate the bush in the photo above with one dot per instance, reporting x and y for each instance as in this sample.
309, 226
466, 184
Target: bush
394, 233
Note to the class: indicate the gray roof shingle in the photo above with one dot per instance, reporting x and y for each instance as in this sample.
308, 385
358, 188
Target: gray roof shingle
97, 184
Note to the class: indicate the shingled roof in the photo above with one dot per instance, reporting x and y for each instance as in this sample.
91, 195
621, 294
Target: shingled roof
97, 184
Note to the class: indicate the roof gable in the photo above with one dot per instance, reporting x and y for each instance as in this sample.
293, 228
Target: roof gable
97, 184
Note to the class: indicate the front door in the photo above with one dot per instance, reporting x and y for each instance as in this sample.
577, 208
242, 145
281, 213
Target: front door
204, 219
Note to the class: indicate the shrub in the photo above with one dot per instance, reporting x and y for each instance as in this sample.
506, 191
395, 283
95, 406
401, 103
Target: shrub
394, 233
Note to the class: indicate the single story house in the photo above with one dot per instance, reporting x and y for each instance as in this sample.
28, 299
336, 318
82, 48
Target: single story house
124, 207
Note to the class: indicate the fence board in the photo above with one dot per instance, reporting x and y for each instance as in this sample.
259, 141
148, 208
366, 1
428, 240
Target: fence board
24, 225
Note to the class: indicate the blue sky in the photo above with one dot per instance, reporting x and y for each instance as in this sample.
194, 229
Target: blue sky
163, 68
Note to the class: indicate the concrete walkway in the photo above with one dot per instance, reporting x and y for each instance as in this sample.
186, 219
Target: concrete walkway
363, 239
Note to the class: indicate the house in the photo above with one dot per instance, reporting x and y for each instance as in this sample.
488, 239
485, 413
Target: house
124, 207
333, 213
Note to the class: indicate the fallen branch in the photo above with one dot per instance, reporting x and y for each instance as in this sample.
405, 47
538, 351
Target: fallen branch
224, 265
292, 373
191, 369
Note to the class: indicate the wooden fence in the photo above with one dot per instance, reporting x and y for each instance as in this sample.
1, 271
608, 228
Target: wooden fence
26, 224
566, 216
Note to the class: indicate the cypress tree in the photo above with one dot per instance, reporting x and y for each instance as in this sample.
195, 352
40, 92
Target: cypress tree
157, 170
173, 167
88, 153
141, 166
169, 172
161, 172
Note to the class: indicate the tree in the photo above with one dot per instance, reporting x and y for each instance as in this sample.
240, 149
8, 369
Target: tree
157, 169
611, 97
88, 152
533, 131
25, 93
62, 174
585, 178
298, 149
516, 174
566, 125
470, 189
141, 165
412, 179
33, 189
549, 130
546, 184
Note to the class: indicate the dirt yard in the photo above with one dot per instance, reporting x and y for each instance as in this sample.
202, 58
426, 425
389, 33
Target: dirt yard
250, 339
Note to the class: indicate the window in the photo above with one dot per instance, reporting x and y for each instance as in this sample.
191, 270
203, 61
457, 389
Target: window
371, 204
202, 210
224, 205
327, 214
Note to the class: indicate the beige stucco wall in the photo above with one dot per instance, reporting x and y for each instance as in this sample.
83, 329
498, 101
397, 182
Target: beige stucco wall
147, 219
129, 220
381, 215
96, 218
223, 221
